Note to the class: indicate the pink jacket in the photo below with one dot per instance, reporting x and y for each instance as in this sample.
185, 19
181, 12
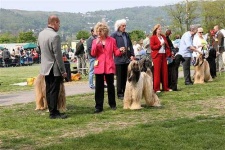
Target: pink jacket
105, 56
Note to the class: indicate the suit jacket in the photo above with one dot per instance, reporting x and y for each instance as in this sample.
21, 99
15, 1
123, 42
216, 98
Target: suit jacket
156, 45
51, 55
105, 56
219, 42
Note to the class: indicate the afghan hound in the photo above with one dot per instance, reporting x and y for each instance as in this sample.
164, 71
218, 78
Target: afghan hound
40, 92
202, 70
139, 84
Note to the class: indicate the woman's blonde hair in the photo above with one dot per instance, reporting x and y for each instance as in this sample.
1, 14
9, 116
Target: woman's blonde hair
102, 26
155, 28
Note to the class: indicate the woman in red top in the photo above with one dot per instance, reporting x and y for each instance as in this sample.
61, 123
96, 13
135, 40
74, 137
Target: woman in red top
103, 49
160, 51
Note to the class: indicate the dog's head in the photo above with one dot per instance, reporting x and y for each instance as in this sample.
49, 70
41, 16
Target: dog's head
145, 64
133, 71
199, 60
178, 59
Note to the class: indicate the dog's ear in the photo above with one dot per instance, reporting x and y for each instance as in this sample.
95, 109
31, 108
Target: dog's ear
197, 61
179, 58
129, 77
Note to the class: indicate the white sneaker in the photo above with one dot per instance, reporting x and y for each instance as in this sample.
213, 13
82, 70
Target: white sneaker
158, 91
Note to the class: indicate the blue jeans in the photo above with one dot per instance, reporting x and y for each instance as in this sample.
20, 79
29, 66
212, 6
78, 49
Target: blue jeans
91, 72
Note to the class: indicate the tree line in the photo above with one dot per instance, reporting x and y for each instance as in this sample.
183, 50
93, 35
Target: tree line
140, 20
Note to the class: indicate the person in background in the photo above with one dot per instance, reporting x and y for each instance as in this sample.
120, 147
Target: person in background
104, 49
160, 51
52, 66
80, 53
91, 59
186, 49
219, 47
35, 56
71, 54
200, 43
146, 46
168, 33
1, 60
136, 48
6, 57
176, 43
141, 51
122, 62
170, 59
67, 65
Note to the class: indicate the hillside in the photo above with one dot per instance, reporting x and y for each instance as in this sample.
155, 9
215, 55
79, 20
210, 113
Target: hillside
143, 18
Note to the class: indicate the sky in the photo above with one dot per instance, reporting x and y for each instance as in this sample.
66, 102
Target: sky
82, 6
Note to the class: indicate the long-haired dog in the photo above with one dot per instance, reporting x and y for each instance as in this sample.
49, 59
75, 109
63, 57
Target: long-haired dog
40, 92
202, 70
139, 84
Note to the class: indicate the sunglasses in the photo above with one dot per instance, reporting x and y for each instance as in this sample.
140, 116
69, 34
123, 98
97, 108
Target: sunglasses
200, 32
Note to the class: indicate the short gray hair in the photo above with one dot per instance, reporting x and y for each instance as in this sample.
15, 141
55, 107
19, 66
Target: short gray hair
119, 23
194, 27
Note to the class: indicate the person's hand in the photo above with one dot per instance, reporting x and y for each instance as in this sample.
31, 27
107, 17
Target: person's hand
64, 74
217, 54
122, 49
98, 40
131, 57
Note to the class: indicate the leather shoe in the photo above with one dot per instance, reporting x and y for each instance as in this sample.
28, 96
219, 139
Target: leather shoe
113, 108
97, 111
58, 116
189, 83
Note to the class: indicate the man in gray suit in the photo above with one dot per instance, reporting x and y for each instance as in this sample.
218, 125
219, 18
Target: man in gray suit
52, 66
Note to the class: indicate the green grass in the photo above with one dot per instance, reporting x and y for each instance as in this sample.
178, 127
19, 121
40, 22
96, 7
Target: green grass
190, 119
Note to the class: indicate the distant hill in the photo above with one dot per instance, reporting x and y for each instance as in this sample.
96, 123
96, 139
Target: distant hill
141, 18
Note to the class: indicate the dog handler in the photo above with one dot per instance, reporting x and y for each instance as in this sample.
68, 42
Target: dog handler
52, 66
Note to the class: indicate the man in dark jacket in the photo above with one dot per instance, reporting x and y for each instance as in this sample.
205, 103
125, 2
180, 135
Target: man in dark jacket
122, 62
6, 57
171, 69
80, 53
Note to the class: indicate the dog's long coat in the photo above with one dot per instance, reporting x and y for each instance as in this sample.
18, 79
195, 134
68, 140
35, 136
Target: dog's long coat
202, 70
40, 93
139, 84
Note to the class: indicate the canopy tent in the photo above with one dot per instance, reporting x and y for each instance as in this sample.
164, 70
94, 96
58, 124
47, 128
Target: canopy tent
29, 46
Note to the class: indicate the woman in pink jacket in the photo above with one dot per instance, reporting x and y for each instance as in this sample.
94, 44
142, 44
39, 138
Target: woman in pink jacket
103, 49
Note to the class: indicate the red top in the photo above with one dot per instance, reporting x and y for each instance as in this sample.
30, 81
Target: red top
155, 45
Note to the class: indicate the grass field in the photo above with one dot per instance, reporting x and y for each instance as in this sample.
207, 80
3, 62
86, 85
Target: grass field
190, 119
